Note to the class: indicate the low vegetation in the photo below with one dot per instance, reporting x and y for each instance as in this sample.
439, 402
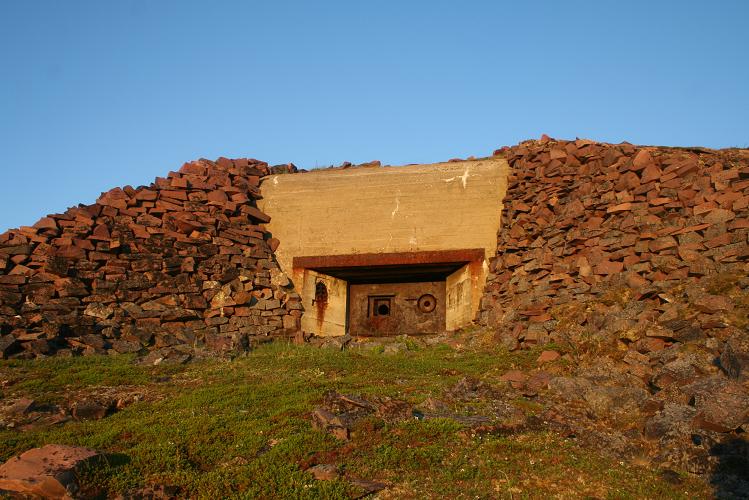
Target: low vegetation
241, 428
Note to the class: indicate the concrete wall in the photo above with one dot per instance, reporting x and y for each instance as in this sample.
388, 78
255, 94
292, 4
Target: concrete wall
323, 319
459, 291
442, 206
405, 316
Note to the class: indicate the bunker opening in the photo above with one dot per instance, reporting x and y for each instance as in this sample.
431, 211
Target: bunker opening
413, 293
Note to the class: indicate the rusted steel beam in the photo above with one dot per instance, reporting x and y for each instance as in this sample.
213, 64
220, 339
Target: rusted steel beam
389, 259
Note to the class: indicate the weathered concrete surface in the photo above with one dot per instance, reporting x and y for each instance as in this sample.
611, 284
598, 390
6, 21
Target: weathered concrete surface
442, 206
406, 315
460, 292
322, 317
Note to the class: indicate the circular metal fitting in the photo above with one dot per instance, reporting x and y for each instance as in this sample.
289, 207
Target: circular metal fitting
427, 303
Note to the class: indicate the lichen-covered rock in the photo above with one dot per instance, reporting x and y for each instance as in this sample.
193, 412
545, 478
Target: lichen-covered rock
734, 359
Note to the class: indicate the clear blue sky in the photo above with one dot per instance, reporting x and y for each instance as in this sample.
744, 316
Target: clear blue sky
97, 94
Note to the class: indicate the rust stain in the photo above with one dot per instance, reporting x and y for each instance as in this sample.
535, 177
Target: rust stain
389, 259
321, 304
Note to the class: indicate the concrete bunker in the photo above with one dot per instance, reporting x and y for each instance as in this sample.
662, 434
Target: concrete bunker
395, 249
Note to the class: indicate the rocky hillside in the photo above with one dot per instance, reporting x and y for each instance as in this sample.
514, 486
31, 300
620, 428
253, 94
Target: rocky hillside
634, 263
628, 264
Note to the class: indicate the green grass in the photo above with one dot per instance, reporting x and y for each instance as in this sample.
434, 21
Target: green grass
240, 429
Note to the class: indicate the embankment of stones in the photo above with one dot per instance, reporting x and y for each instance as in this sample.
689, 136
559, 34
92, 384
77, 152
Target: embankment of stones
614, 239
633, 262
185, 261
645, 246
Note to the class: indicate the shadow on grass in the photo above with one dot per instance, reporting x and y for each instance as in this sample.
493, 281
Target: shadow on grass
92, 477
730, 479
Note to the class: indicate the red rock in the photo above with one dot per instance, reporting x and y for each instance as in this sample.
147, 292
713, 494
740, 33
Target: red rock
217, 196
21, 270
557, 154
48, 472
719, 215
609, 267
255, 213
179, 183
718, 241
622, 207
634, 280
146, 195
192, 168
650, 173
324, 472
713, 303
641, 160
515, 378
662, 243
547, 356
650, 344
46, 223
13, 279
628, 180
101, 232
21, 407
687, 167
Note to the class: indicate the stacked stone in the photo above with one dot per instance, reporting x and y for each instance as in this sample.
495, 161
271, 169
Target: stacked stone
184, 261
582, 219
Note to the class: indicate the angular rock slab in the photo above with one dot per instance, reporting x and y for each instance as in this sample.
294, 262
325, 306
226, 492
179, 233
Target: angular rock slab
47, 472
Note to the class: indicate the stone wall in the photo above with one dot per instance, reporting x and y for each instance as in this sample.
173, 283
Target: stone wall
646, 227
185, 261
189, 260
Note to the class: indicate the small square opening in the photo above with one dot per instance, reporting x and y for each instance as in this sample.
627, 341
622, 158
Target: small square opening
380, 306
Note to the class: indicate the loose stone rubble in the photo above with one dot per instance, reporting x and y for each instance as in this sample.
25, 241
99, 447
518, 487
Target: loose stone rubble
618, 223
635, 261
185, 261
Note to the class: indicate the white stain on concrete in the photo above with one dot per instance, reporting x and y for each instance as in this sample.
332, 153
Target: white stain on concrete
462, 178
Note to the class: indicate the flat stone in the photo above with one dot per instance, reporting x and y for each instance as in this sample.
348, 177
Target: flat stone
126, 346
719, 215
90, 410
324, 472
547, 356
47, 472
712, 304
368, 487
642, 159
516, 378
99, 311
21, 407
722, 405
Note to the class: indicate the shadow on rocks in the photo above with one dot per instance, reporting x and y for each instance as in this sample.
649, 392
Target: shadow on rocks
730, 478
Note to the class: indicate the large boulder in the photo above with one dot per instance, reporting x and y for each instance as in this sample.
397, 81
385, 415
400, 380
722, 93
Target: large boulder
46, 472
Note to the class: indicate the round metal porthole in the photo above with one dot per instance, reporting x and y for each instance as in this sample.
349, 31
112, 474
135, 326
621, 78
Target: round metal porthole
427, 303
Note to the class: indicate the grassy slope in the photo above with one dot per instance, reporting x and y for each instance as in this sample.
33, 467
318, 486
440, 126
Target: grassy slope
220, 429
